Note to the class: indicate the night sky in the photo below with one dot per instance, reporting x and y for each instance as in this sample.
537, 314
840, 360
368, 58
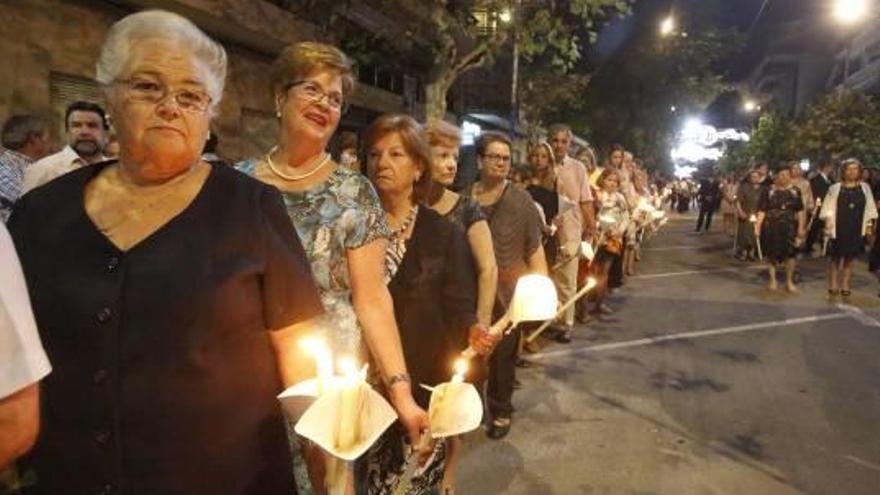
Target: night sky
756, 18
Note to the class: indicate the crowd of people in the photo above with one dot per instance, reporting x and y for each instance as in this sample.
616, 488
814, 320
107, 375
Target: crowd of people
781, 217
154, 296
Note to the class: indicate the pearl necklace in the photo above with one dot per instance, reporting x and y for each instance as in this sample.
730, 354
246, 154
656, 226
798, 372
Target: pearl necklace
324, 161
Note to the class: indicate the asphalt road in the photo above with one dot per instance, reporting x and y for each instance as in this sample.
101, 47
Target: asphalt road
702, 382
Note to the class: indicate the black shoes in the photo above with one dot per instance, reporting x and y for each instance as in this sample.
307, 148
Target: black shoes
499, 428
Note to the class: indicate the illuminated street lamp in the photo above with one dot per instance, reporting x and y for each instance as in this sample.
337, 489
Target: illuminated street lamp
750, 106
850, 11
667, 26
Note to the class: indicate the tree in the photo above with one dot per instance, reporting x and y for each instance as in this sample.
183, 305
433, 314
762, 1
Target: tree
548, 94
631, 100
470, 34
840, 125
771, 141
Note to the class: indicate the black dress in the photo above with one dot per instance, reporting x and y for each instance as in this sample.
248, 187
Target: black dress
164, 376
435, 299
849, 240
779, 230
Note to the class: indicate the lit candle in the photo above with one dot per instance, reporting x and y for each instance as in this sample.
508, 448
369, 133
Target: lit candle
323, 361
350, 401
460, 367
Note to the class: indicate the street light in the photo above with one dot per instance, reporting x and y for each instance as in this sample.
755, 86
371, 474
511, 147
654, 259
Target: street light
667, 26
750, 106
850, 11
505, 16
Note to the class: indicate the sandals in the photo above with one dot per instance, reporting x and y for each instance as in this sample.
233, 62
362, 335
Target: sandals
833, 292
845, 293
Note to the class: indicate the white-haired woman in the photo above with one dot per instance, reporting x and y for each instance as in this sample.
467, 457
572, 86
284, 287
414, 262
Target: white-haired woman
341, 224
848, 213
170, 310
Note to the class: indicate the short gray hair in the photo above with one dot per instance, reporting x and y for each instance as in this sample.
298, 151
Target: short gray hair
151, 24
557, 128
19, 129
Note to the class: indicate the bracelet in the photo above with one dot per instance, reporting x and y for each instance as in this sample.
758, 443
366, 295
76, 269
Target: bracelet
393, 379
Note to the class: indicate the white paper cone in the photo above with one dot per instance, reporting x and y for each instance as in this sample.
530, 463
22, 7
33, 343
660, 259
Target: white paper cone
455, 409
297, 398
320, 422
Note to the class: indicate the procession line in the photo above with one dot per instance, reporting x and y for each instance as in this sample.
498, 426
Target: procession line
688, 335
695, 272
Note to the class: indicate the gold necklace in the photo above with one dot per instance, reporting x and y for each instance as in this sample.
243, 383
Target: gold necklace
324, 161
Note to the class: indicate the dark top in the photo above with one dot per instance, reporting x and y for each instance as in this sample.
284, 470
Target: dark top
435, 300
547, 198
516, 235
819, 185
779, 230
849, 240
164, 377
465, 213
709, 194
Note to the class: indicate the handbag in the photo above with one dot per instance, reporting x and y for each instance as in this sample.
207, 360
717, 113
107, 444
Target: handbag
614, 246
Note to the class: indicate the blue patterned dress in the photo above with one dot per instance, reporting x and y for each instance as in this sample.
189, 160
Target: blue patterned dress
339, 214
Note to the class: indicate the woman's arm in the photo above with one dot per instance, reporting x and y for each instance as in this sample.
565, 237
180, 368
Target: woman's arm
19, 423
480, 240
537, 262
375, 311
294, 364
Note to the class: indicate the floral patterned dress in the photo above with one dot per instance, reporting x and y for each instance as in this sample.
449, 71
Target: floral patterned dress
339, 214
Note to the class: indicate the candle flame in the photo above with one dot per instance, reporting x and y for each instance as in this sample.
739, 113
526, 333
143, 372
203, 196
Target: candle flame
591, 282
348, 366
460, 366
313, 345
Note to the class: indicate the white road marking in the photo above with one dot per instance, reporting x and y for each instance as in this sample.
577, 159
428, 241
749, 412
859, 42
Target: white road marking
859, 315
688, 335
695, 272
863, 463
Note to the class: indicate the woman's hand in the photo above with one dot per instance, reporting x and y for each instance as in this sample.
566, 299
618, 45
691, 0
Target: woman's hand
411, 416
481, 340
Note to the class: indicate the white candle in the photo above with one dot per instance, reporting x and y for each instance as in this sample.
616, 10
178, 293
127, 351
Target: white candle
350, 395
460, 367
323, 361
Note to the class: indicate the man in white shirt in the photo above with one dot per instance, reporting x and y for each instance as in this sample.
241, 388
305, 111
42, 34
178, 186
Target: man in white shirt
575, 223
87, 132
23, 362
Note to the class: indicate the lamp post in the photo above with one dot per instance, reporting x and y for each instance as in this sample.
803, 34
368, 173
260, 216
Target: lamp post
667, 25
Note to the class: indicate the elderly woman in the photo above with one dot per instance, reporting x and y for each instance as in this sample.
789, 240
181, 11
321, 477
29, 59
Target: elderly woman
516, 237
168, 314
444, 140
780, 226
339, 220
848, 213
431, 278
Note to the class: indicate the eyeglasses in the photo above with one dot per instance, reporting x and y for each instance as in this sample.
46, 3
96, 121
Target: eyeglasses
313, 93
151, 91
497, 158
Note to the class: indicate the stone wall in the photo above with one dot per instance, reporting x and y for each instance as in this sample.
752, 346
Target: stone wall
50, 47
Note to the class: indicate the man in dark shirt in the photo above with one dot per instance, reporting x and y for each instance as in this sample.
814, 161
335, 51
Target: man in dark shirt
819, 185
708, 198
